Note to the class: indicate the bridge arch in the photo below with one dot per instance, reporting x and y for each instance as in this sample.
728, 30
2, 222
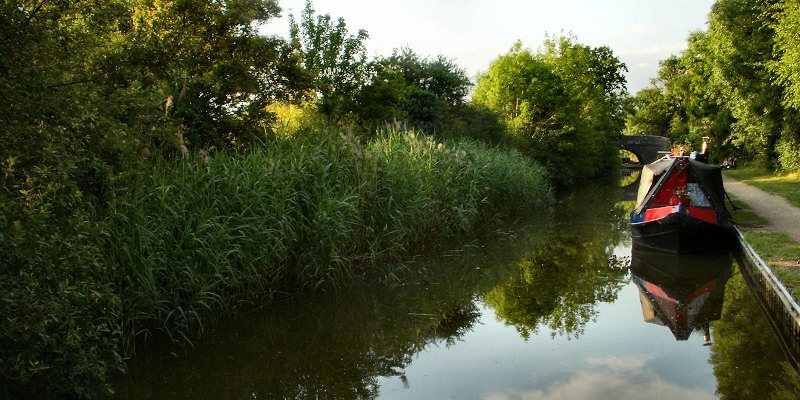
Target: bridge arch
645, 148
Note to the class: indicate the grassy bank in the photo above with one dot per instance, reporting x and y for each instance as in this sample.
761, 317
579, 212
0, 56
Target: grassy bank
779, 251
784, 185
179, 242
782, 254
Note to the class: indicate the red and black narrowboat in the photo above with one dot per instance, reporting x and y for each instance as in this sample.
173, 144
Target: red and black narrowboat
680, 207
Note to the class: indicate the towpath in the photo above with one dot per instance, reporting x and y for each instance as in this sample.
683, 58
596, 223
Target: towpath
782, 216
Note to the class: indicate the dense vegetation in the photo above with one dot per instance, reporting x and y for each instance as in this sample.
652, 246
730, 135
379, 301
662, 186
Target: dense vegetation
163, 161
737, 83
563, 105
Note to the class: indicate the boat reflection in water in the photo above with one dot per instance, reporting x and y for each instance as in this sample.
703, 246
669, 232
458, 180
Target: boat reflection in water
683, 293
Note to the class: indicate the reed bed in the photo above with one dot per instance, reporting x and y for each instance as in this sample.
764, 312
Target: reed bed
193, 238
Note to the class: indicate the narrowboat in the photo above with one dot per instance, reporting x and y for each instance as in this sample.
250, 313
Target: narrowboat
680, 207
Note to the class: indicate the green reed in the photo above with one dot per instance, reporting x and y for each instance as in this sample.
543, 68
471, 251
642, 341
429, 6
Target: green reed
195, 237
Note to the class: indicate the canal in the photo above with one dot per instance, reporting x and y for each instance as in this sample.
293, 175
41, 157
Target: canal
555, 306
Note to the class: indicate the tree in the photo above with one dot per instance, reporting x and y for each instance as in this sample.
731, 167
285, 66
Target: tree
741, 39
423, 92
595, 78
650, 114
564, 106
336, 61
785, 67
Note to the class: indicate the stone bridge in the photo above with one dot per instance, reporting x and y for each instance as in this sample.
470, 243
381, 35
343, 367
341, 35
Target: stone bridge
645, 148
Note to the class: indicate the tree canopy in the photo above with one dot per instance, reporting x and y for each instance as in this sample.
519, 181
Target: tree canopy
735, 83
564, 104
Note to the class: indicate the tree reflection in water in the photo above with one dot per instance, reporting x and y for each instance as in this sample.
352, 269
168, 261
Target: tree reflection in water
747, 360
560, 284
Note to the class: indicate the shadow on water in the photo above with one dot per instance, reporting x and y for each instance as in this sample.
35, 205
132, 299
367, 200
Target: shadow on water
549, 275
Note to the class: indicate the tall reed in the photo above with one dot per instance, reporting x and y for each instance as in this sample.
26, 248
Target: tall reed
193, 238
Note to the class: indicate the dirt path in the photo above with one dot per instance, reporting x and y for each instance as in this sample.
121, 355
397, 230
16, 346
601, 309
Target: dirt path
782, 216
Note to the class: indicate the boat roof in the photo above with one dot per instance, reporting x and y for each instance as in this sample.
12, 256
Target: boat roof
709, 177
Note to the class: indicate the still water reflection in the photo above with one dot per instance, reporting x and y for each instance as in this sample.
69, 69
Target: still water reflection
683, 293
555, 307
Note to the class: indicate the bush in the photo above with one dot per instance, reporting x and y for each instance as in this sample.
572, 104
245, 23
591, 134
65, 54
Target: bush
788, 151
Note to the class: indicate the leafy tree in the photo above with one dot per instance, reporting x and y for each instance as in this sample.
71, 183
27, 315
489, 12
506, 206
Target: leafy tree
787, 47
336, 61
650, 114
785, 67
741, 41
595, 77
564, 106
427, 93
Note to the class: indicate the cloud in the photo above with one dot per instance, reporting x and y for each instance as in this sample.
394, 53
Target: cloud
667, 49
621, 363
623, 378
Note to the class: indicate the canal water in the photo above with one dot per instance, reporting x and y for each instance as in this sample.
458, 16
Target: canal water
554, 306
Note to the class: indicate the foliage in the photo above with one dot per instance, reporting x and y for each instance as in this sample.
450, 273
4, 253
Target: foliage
787, 43
740, 40
426, 93
335, 61
650, 114
563, 105
788, 149
595, 78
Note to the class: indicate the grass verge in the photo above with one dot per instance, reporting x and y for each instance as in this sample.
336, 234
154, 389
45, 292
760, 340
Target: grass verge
744, 216
784, 185
778, 250
782, 254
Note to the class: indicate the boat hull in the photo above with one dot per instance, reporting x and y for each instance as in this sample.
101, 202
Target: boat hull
681, 233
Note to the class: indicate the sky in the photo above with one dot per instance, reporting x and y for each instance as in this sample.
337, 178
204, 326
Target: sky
473, 33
